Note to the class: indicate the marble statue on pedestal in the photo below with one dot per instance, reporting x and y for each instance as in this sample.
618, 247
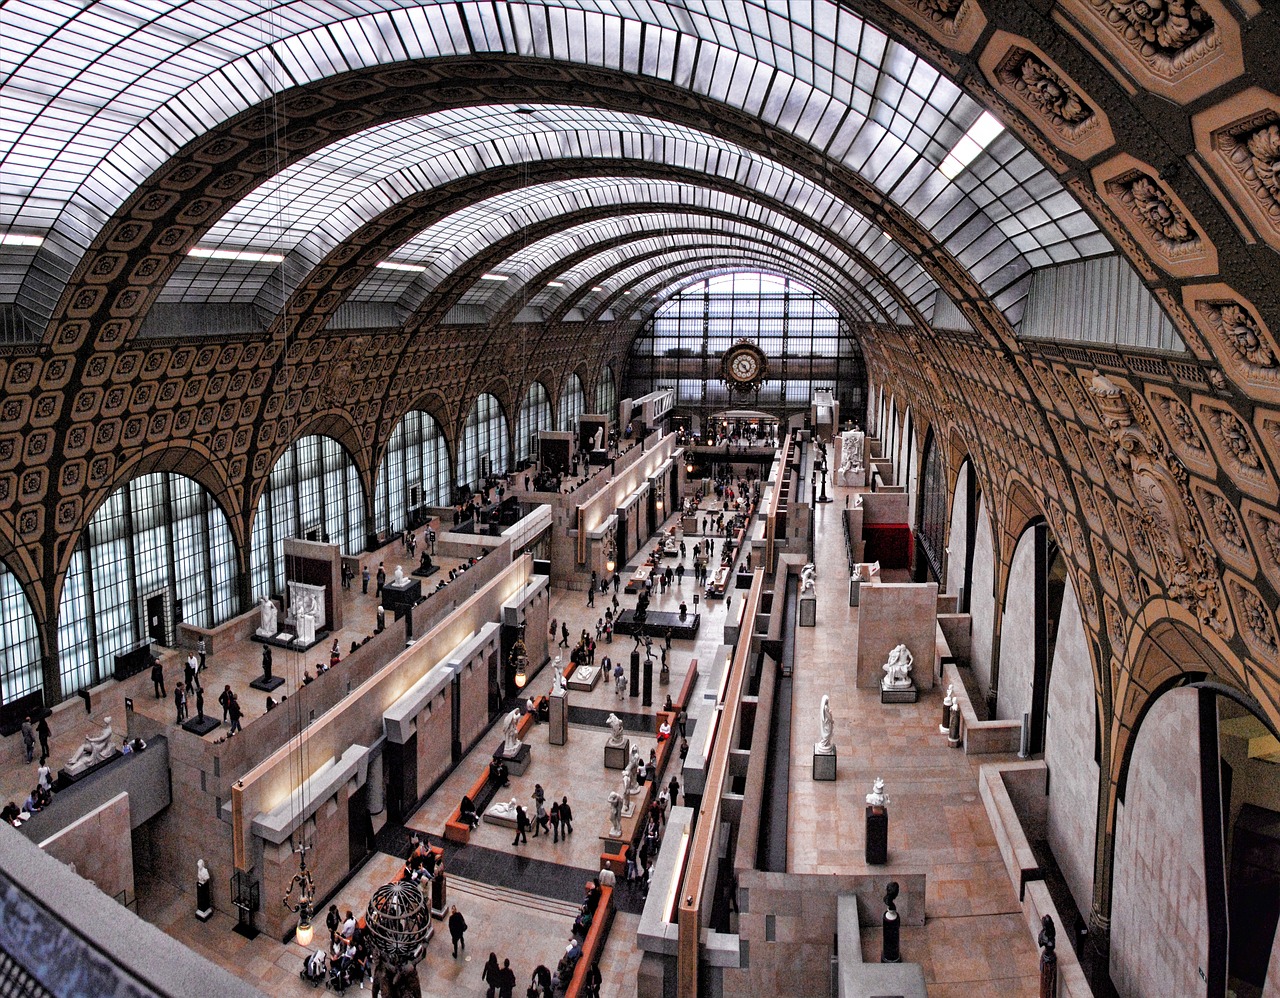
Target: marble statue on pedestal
808, 575
631, 775
511, 740
614, 724
597, 441
267, 622
877, 796
202, 872
95, 749
826, 728
615, 814
397, 577
851, 450
557, 679
897, 671
306, 629
504, 810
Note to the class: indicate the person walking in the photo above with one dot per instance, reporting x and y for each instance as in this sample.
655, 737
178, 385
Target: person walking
364, 579
42, 730
539, 808
157, 677
554, 818
491, 975
457, 929
566, 816
522, 826
564, 635
28, 738
593, 981
381, 579
506, 981
591, 596
235, 714
201, 650
224, 701
541, 980
180, 702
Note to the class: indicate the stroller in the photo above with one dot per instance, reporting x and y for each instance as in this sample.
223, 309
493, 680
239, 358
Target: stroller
313, 970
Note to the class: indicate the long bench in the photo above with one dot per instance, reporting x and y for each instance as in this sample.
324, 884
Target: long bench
593, 944
457, 830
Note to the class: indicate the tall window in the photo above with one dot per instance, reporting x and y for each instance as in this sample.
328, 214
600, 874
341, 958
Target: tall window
573, 403
535, 415
313, 492
160, 538
415, 471
607, 395
483, 449
20, 650
807, 343
934, 507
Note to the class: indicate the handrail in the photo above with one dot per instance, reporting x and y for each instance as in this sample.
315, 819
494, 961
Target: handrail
701, 853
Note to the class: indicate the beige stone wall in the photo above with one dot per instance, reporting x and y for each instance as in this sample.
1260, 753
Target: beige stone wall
1159, 922
897, 613
1018, 633
982, 603
434, 729
1068, 751
473, 701
100, 846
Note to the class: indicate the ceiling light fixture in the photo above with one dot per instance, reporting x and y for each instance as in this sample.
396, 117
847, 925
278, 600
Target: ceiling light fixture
494, 277
242, 256
555, 284
980, 135
415, 268
20, 239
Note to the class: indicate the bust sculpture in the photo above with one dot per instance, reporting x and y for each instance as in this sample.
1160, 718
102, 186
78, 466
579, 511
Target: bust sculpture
557, 680
95, 749
267, 621
950, 699
877, 796
397, 577
202, 872
614, 723
807, 576
511, 742
826, 728
615, 813
897, 671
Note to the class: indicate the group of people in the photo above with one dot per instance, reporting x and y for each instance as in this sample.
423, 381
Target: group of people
558, 819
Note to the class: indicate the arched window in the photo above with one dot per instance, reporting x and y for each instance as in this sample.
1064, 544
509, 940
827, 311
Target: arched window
932, 530
20, 650
807, 343
159, 548
535, 414
572, 404
313, 492
483, 449
414, 472
607, 395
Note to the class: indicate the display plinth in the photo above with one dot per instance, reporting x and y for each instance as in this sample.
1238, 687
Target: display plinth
824, 765
584, 678
558, 719
201, 727
616, 756
400, 598
877, 835
516, 764
439, 895
808, 610
204, 903
899, 694
266, 685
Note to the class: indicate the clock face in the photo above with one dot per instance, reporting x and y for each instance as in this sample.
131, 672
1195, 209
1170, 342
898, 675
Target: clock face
743, 366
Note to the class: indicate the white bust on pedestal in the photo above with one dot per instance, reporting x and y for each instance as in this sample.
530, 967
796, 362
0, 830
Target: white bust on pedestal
397, 578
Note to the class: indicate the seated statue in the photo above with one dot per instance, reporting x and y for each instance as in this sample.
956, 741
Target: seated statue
808, 575
95, 749
898, 669
425, 564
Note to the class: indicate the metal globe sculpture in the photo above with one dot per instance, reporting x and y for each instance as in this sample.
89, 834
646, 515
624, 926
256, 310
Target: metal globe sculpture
399, 922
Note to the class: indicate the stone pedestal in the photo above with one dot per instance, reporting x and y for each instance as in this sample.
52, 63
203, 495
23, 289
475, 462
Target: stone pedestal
199, 727
945, 726
266, 685
953, 735
439, 895
890, 952
877, 835
808, 610
204, 902
824, 765
584, 678
899, 694
616, 756
558, 721
516, 764
633, 686
855, 591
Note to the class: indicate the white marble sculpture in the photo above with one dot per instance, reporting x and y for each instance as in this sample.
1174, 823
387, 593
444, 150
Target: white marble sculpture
614, 724
851, 450
510, 739
95, 749
877, 796
397, 577
631, 775
306, 598
615, 814
808, 575
306, 629
950, 699
557, 679
202, 872
504, 810
597, 441
948, 703
897, 671
267, 622
826, 728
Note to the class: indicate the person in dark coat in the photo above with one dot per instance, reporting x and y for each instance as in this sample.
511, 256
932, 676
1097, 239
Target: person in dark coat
566, 816
157, 678
506, 981
457, 929
42, 729
522, 827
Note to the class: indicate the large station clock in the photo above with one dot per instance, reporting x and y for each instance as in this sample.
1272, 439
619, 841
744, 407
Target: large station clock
744, 366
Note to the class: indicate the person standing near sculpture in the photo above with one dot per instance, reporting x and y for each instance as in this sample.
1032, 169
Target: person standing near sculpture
201, 650
42, 729
180, 703
381, 579
28, 738
522, 826
157, 677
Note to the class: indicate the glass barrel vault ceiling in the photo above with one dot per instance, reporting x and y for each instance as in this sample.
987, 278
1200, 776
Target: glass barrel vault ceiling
96, 97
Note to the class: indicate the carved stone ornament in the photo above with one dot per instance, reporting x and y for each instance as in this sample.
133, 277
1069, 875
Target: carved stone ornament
1252, 147
1051, 97
1235, 439
1171, 33
1256, 625
1160, 488
1152, 207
